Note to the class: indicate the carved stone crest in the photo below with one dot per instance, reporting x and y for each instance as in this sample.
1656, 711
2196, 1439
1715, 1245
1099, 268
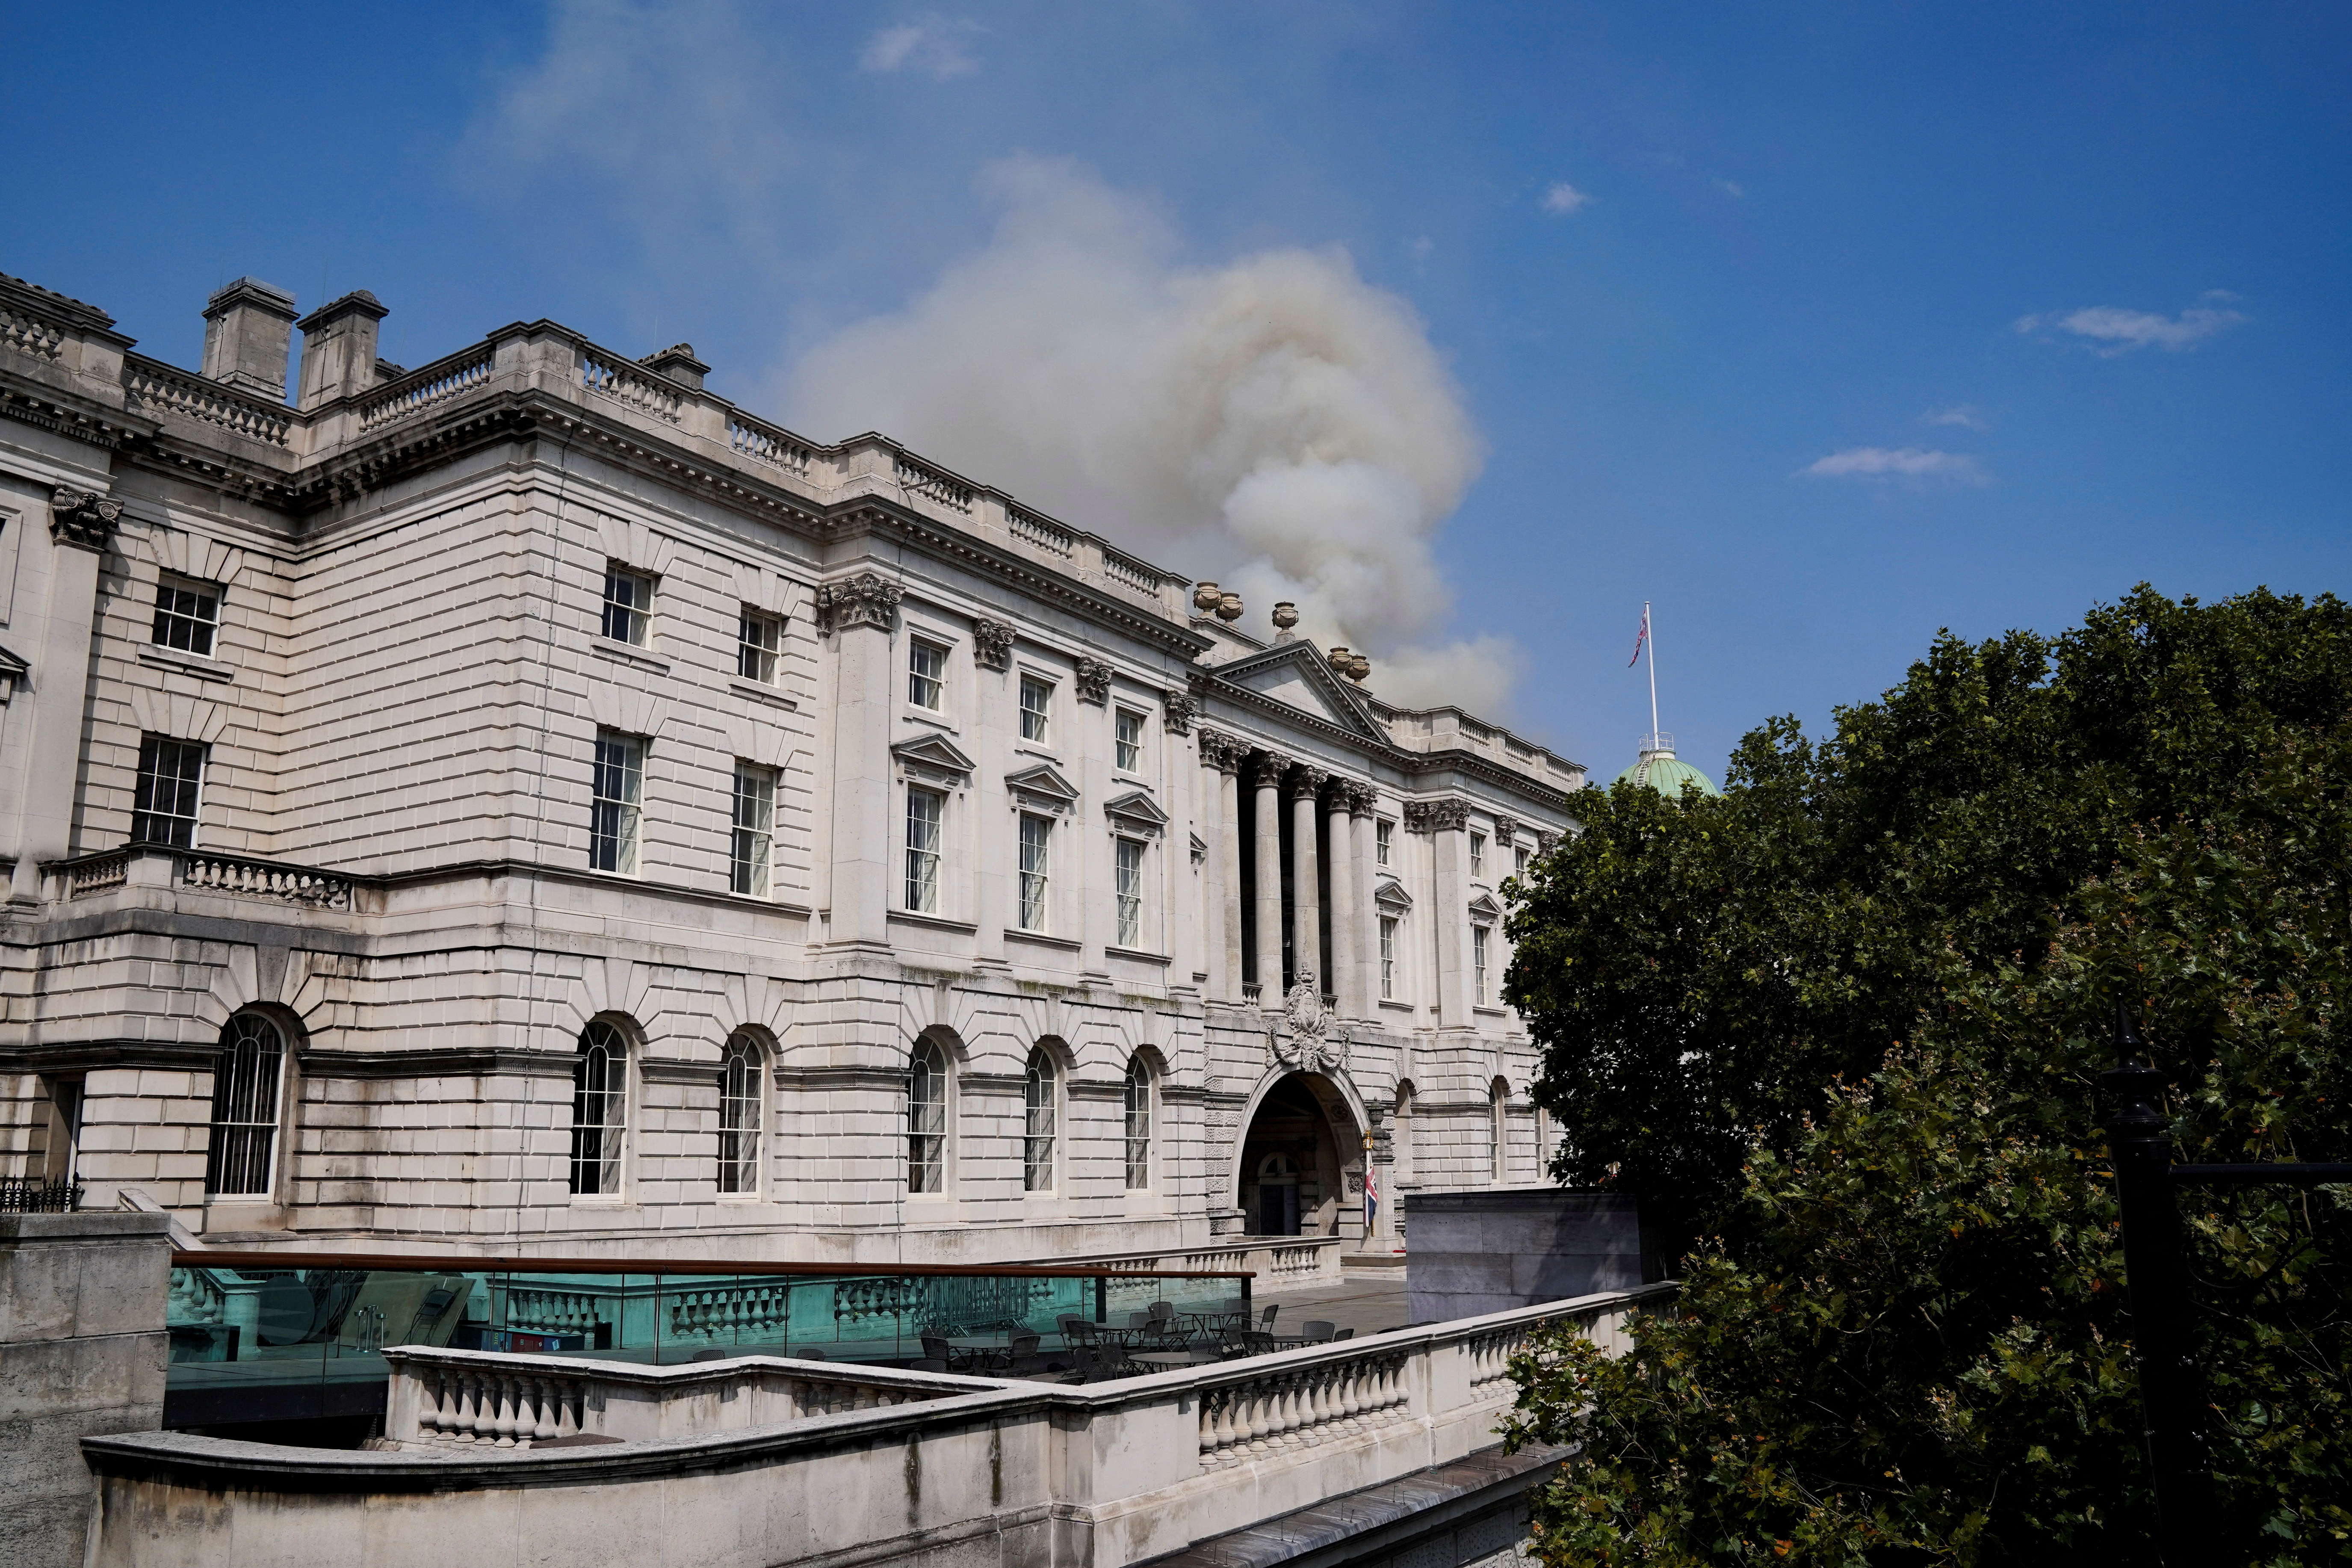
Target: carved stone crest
1316, 1042
865, 600
992, 644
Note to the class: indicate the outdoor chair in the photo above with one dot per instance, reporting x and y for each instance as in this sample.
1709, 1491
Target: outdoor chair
1315, 1332
812, 1354
1021, 1357
1265, 1324
714, 1353
936, 1348
1343, 1334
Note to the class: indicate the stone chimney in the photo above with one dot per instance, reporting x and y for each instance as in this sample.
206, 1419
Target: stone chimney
677, 362
247, 327
338, 348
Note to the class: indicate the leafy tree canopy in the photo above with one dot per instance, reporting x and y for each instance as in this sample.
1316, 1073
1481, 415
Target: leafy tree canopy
1857, 1007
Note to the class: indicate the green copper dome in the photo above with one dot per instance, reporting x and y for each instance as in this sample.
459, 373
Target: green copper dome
1662, 771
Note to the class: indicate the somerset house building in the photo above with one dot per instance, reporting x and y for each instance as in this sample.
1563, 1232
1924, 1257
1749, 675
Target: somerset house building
528, 802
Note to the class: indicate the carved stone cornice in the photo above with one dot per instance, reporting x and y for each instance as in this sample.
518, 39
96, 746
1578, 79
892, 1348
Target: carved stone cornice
992, 644
1092, 678
1437, 815
865, 600
1307, 781
82, 517
1177, 709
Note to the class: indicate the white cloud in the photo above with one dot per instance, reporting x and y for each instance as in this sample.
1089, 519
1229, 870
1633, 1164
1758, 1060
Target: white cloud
2114, 330
1563, 197
931, 44
1963, 414
1898, 462
1273, 422
1728, 189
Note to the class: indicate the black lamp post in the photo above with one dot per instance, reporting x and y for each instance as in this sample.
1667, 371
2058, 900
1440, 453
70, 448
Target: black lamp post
2171, 1391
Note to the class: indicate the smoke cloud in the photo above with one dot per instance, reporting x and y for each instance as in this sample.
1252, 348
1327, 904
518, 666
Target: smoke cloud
1275, 423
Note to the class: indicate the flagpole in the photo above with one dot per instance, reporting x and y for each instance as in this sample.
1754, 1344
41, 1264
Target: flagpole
1653, 670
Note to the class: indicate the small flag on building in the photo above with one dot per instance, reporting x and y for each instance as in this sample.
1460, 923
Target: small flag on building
1371, 1197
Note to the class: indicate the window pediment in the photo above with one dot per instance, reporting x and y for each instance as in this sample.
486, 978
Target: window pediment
1136, 811
1390, 894
933, 758
1041, 787
1484, 908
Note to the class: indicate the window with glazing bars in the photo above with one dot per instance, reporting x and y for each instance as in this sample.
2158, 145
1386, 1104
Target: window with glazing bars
1388, 958
1520, 864
1478, 965
755, 822
186, 614
927, 674
1037, 851
740, 1101
1127, 884
1037, 709
245, 1079
1478, 854
1139, 1126
1037, 1126
600, 1108
927, 1120
1127, 741
925, 813
1383, 840
758, 639
612, 812
629, 604
164, 802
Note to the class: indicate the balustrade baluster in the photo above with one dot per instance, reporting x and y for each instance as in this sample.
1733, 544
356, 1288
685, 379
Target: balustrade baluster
466, 1384
505, 1420
1226, 1436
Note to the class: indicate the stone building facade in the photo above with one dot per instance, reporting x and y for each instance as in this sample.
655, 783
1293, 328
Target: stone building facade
530, 803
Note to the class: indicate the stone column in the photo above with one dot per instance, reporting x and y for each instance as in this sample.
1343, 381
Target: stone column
1305, 894
1447, 822
1347, 935
1229, 859
81, 525
1366, 803
1267, 775
869, 811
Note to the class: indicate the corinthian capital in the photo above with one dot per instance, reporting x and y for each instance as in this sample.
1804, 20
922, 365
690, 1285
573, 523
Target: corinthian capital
1308, 781
865, 600
79, 517
1266, 771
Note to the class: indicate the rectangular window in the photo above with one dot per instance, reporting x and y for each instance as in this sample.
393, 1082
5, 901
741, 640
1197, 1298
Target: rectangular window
1383, 840
1128, 884
755, 825
1037, 846
1478, 965
1037, 709
1477, 855
186, 614
1519, 863
628, 604
927, 811
1388, 958
1126, 740
927, 675
613, 817
170, 780
757, 639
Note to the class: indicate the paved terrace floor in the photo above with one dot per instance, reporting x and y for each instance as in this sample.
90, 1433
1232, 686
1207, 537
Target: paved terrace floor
1366, 1306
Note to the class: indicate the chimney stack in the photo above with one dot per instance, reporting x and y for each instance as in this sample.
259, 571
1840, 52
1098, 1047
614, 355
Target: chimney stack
248, 327
677, 362
338, 348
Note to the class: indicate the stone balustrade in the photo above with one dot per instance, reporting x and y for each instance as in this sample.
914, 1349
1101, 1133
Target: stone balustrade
484, 1399
155, 387
160, 868
890, 1467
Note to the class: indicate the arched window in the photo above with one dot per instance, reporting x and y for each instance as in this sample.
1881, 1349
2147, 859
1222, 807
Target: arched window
245, 1081
927, 1120
600, 1108
740, 1101
1038, 1128
1498, 1094
1139, 1126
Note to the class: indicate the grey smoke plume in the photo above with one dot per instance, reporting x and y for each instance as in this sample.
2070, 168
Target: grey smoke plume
1275, 423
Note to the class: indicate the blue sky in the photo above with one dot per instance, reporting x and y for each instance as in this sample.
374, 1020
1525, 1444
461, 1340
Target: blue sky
1729, 301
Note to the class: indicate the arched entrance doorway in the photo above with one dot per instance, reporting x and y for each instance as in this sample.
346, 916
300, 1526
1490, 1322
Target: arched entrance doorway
1301, 1171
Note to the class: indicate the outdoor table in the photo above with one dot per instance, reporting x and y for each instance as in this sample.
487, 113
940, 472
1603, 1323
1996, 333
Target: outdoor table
981, 1345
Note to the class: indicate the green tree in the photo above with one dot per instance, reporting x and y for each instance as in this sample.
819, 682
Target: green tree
1849, 1017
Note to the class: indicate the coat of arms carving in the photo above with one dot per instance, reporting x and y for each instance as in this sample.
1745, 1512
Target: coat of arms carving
1316, 1041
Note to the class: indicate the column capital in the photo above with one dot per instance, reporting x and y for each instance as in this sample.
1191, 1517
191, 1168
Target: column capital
1506, 829
1306, 779
992, 644
1222, 751
1266, 770
1092, 678
1177, 709
1355, 796
1437, 815
83, 518
865, 600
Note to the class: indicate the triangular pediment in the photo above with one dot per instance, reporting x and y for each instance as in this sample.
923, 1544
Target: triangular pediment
934, 752
1484, 908
1045, 782
1298, 676
1137, 808
1390, 894
11, 664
